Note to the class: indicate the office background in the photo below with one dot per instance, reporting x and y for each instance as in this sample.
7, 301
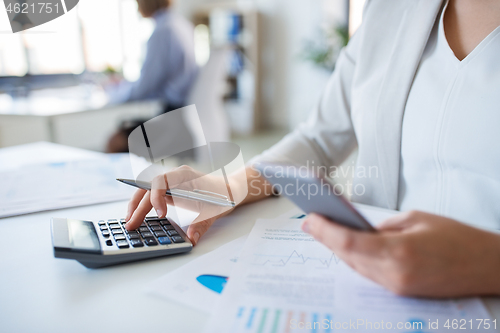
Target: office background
283, 52
53, 81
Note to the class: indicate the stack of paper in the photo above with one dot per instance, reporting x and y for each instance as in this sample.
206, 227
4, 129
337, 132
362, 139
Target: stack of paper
285, 281
45, 176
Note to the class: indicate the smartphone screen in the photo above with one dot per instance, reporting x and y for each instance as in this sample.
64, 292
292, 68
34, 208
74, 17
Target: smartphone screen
313, 193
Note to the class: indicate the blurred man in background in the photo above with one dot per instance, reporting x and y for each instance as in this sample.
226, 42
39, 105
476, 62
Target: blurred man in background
169, 69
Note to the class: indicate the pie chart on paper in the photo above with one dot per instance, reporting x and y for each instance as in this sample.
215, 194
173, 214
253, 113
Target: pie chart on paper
26, 14
213, 282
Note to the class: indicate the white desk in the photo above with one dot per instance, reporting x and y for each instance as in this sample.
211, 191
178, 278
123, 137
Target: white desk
39, 293
74, 116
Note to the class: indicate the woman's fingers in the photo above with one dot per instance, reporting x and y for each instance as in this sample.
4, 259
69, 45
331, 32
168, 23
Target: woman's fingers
196, 230
366, 252
159, 187
344, 240
400, 221
140, 213
134, 203
186, 178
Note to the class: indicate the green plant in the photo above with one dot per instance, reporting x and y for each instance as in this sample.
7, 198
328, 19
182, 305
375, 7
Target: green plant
324, 51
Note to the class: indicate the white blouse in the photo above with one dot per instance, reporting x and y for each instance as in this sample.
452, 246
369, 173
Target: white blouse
450, 149
427, 123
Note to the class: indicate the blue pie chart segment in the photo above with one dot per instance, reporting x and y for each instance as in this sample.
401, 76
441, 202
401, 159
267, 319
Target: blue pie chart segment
213, 282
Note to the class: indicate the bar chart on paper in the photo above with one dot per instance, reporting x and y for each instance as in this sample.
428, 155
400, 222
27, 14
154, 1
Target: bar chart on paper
284, 281
275, 320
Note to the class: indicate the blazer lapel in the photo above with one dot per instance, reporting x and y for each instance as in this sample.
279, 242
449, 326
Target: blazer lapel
410, 44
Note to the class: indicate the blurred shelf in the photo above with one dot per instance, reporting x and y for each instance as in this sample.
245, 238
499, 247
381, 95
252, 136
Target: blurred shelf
237, 26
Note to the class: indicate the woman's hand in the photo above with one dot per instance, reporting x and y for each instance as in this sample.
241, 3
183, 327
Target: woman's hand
417, 254
185, 178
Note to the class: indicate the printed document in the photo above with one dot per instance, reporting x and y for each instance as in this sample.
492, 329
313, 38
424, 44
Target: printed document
53, 185
199, 283
285, 281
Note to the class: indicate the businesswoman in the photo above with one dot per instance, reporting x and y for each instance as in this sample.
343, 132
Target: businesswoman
169, 69
416, 91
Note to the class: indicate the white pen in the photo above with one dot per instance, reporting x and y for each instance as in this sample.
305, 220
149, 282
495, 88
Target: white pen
197, 195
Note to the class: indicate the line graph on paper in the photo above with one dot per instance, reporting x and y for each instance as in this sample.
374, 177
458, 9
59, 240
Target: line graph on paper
295, 258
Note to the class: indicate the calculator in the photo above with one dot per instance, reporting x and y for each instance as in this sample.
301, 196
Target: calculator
107, 242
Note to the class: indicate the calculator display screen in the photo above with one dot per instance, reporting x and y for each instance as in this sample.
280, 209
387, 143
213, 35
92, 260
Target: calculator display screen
82, 235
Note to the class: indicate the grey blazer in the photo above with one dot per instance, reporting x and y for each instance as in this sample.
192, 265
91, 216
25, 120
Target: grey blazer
364, 100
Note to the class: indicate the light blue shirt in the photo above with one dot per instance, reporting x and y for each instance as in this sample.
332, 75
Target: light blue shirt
169, 69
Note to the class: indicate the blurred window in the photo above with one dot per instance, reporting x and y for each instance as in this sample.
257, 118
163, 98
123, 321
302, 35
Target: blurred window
96, 36
355, 15
13, 60
55, 48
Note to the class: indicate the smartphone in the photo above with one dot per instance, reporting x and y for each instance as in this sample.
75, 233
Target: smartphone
313, 192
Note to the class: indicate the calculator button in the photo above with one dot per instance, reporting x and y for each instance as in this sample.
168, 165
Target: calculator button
144, 229
103, 227
115, 226
178, 239
111, 220
146, 234
156, 228
109, 242
119, 237
172, 233
131, 231
101, 223
160, 233
150, 241
133, 236
105, 233
122, 244
117, 232
153, 223
168, 227
136, 243
164, 222
164, 240
143, 224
